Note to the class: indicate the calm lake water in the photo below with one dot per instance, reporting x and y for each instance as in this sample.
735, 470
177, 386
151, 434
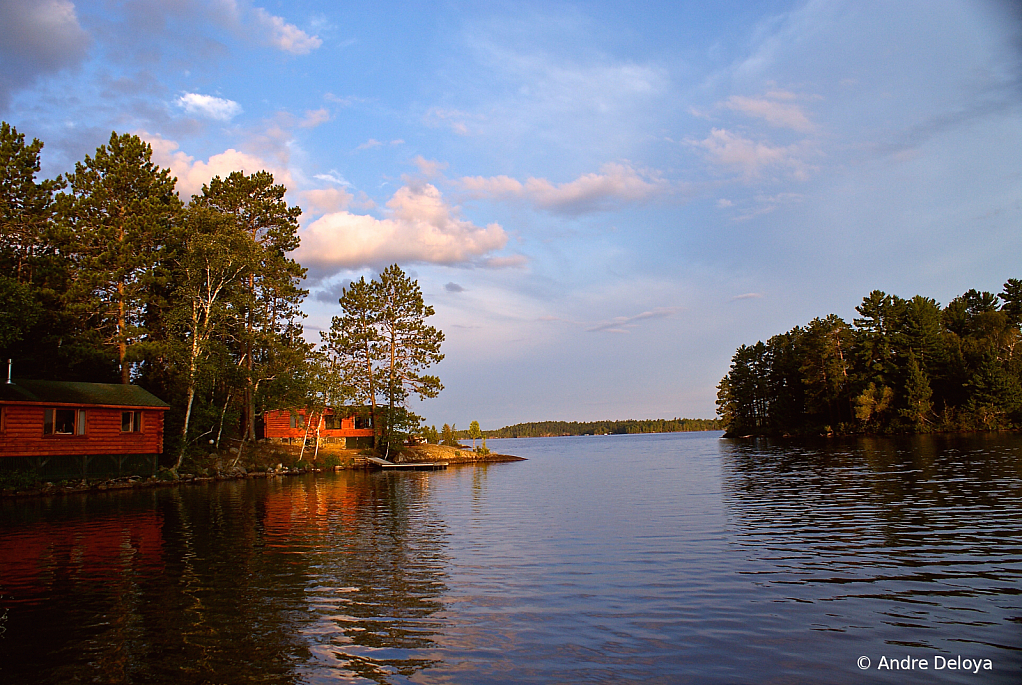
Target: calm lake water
679, 558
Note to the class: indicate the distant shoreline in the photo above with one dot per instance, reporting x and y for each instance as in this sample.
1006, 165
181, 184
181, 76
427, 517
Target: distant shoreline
552, 429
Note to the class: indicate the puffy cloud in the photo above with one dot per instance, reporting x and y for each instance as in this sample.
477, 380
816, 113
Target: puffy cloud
192, 174
209, 106
371, 143
326, 200
38, 37
750, 157
453, 287
419, 227
774, 109
614, 185
284, 36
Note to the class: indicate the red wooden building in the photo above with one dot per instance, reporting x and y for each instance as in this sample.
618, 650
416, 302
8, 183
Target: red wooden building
346, 426
62, 428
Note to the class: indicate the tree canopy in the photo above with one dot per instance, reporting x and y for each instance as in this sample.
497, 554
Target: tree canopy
107, 276
904, 365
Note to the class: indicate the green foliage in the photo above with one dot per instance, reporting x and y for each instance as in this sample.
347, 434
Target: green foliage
448, 437
906, 366
381, 346
542, 429
19, 480
115, 279
482, 449
117, 220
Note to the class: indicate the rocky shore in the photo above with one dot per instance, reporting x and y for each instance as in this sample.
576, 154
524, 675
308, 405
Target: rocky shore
452, 455
417, 453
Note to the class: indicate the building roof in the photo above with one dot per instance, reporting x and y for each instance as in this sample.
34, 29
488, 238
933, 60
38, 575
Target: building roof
67, 392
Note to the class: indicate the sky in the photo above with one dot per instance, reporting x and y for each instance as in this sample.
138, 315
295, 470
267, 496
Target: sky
600, 200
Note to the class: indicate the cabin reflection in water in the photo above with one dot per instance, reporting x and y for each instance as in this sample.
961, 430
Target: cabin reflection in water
340, 572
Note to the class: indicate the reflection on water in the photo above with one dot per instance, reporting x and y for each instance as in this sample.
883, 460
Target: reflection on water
623, 559
916, 540
233, 582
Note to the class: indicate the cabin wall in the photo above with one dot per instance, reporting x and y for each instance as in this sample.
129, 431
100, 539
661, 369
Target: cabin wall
277, 426
21, 434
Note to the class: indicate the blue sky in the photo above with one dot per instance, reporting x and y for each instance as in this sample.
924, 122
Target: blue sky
601, 200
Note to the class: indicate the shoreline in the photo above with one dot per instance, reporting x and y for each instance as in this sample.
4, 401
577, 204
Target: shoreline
419, 453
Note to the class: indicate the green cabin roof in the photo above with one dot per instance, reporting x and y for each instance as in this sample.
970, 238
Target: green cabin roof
67, 392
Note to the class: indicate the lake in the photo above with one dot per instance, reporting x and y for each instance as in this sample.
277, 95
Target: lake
673, 558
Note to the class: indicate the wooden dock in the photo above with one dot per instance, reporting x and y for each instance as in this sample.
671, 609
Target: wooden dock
408, 466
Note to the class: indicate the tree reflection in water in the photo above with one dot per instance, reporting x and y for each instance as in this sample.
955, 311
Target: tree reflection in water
253, 581
920, 533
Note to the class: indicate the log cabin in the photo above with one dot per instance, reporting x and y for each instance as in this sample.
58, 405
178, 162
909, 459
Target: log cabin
343, 426
70, 429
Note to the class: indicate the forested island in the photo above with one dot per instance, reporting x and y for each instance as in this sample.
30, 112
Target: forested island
902, 366
542, 429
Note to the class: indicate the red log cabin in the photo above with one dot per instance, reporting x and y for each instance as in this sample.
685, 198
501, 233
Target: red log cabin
84, 428
346, 426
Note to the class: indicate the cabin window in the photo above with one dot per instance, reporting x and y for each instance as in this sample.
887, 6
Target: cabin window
297, 421
363, 422
64, 422
332, 422
131, 422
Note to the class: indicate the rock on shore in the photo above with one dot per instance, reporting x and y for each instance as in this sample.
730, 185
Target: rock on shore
452, 455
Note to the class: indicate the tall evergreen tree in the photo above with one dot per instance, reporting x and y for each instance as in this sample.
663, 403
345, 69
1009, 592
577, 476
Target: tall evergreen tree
410, 345
119, 215
354, 341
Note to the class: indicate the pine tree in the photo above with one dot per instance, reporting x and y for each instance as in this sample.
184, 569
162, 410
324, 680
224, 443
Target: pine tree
119, 214
409, 345
354, 342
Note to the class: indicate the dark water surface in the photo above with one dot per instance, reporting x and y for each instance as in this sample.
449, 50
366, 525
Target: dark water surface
677, 558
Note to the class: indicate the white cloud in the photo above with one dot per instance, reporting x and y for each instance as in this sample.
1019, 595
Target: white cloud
614, 185
369, 144
333, 177
209, 106
419, 227
623, 324
192, 174
284, 36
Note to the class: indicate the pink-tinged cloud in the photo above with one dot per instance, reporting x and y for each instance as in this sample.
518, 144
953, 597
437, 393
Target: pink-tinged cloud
751, 158
284, 36
516, 261
419, 227
616, 184
778, 114
192, 173
325, 200
314, 117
